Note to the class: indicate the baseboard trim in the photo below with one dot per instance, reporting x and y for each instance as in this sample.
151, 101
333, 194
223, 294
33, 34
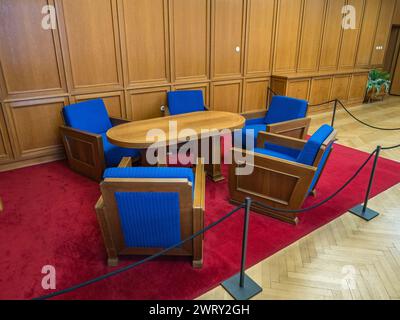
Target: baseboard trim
30, 162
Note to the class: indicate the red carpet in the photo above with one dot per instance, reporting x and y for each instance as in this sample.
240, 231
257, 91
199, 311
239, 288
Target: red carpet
49, 219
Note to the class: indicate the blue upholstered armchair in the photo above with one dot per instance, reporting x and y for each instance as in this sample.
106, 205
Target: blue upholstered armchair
180, 102
286, 171
285, 116
84, 137
145, 210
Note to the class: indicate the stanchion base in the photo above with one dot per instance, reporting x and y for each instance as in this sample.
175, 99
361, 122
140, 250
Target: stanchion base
368, 215
249, 290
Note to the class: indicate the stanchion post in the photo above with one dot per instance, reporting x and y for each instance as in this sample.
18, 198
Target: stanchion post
362, 210
241, 286
334, 113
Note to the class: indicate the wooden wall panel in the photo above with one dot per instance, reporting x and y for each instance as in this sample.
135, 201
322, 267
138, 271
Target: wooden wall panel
396, 16
114, 101
34, 126
320, 90
340, 88
91, 44
146, 103
144, 25
5, 147
30, 56
311, 39
226, 96
348, 50
227, 29
332, 35
259, 37
255, 94
131, 52
382, 32
395, 89
357, 88
299, 89
366, 43
190, 34
287, 36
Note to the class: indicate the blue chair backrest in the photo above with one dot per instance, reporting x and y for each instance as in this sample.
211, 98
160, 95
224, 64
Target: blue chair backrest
180, 102
285, 109
90, 116
150, 219
310, 151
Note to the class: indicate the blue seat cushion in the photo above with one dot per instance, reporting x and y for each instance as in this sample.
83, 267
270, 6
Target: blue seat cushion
151, 173
252, 131
114, 154
285, 109
180, 102
310, 151
90, 116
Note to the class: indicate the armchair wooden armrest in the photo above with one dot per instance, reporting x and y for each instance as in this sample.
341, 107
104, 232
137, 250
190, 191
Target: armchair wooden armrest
297, 128
273, 181
198, 212
284, 141
84, 151
254, 115
1, 205
118, 121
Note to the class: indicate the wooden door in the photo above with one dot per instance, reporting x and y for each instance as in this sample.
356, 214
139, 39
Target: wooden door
382, 33
367, 35
91, 45
227, 29
145, 46
31, 62
395, 89
259, 37
311, 39
287, 35
350, 38
146, 103
190, 34
332, 35
226, 96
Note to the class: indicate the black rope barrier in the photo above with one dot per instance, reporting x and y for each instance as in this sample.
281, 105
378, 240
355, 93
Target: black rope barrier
363, 122
214, 224
138, 263
337, 101
391, 148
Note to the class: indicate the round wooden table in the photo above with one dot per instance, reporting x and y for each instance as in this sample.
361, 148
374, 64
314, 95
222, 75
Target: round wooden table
135, 134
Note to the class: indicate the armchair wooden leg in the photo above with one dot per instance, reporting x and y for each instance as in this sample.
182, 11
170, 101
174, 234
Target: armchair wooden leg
197, 264
113, 261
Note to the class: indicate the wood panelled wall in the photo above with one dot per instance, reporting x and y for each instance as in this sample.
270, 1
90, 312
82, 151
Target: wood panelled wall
131, 52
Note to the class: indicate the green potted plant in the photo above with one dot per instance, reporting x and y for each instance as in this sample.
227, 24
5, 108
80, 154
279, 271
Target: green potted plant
378, 85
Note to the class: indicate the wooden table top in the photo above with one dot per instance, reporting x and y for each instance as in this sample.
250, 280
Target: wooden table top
134, 134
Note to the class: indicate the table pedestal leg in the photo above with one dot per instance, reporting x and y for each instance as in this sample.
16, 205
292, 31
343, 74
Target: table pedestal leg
144, 162
213, 165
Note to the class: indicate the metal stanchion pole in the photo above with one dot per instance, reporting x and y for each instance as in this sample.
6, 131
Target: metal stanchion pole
334, 113
362, 210
241, 286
